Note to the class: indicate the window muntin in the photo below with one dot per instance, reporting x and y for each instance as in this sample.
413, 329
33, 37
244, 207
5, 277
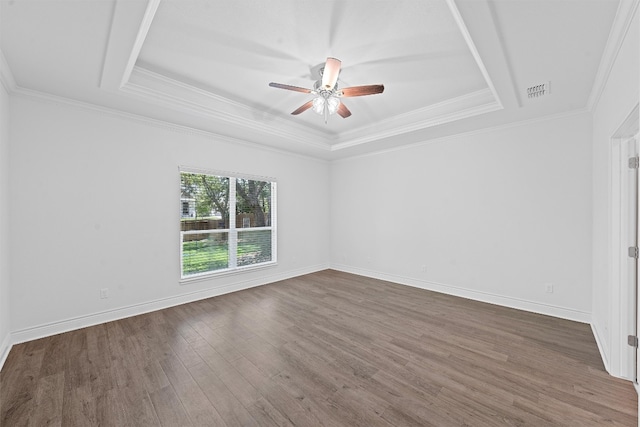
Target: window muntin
213, 241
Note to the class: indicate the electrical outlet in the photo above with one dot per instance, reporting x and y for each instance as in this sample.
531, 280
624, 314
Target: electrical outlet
424, 268
549, 288
104, 293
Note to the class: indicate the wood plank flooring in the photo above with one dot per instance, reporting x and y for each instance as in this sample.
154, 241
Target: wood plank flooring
325, 349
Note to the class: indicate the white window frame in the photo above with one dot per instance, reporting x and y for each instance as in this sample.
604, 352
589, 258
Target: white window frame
233, 268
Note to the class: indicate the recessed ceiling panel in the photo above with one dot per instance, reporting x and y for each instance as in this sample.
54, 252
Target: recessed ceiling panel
233, 50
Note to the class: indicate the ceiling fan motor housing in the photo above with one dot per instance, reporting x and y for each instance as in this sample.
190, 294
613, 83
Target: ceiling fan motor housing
317, 87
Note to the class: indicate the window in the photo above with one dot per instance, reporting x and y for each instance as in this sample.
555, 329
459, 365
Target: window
227, 223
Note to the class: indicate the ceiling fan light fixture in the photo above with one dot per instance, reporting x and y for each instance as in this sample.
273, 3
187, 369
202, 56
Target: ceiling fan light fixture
332, 103
318, 105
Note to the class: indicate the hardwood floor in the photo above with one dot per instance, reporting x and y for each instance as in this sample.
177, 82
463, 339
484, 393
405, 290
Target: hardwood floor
326, 349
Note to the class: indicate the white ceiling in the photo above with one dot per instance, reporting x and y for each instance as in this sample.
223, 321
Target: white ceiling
448, 66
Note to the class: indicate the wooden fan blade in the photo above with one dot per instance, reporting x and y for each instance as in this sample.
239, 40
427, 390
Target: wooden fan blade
362, 90
330, 73
343, 111
289, 87
303, 108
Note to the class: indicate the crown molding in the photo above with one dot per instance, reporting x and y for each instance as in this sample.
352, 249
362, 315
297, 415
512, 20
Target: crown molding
174, 127
161, 90
462, 107
625, 15
471, 133
6, 76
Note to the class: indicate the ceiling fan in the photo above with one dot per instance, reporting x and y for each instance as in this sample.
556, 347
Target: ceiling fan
327, 93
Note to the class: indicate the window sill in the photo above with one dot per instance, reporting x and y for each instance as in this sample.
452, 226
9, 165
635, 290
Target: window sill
221, 273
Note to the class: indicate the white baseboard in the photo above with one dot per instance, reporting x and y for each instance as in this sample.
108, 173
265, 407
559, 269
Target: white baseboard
79, 322
601, 348
520, 304
5, 348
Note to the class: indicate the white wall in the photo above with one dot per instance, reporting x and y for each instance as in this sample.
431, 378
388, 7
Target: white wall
95, 204
616, 102
493, 215
5, 327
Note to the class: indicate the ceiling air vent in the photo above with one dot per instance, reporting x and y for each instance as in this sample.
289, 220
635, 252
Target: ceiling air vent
538, 90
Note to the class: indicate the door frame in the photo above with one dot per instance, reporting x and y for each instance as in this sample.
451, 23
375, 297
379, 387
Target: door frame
623, 298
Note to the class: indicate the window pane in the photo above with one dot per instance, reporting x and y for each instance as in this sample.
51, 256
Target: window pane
253, 203
204, 252
204, 202
221, 229
254, 247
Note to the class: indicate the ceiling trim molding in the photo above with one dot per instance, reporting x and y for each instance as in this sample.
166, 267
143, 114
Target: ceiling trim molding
145, 25
6, 76
129, 27
471, 133
162, 90
462, 107
484, 29
174, 127
143, 77
472, 48
463, 102
159, 89
625, 15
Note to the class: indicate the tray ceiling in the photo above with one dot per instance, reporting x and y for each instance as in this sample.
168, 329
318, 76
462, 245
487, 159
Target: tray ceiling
447, 66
